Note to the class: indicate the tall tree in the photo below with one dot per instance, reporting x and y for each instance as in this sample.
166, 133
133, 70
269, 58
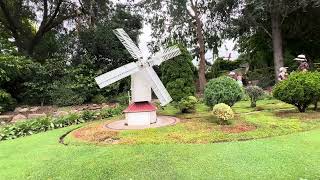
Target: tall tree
269, 16
21, 18
194, 22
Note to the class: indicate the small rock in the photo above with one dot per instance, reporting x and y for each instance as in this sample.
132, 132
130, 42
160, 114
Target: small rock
60, 113
94, 108
23, 110
33, 116
105, 106
74, 111
18, 117
34, 109
17, 109
5, 118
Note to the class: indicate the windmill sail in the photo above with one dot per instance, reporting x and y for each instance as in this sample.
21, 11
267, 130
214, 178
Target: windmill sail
164, 55
128, 43
117, 74
158, 88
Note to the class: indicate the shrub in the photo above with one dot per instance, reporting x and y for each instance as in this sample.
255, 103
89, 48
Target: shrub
300, 89
111, 112
64, 96
221, 66
223, 112
88, 115
188, 104
178, 75
122, 99
222, 90
25, 128
98, 99
7, 103
254, 92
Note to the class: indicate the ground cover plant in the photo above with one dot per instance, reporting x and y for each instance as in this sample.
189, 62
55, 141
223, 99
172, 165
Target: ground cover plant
34, 126
201, 126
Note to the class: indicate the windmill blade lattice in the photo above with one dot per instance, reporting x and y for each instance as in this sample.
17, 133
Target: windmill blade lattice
165, 55
157, 86
128, 43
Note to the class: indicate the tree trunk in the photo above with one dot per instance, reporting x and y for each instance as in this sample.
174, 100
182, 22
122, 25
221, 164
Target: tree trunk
202, 63
277, 42
253, 103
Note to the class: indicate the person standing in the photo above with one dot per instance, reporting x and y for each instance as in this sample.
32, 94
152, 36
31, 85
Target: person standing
283, 75
304, 66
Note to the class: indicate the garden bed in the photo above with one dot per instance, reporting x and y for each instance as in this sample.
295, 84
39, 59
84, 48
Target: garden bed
202, 128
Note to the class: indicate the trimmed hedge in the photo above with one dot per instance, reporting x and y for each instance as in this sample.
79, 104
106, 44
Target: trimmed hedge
301, 89
222, 90
35, 126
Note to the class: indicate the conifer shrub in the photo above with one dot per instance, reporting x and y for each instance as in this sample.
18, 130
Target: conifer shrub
301, 89
188, 104
222, 90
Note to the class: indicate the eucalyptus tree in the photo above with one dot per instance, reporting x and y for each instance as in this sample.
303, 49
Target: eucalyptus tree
28, 21
269, 16
193, 22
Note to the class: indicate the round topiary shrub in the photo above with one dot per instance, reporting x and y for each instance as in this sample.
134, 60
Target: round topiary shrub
300, 89
222, 90
188, 104
254, 93
223, 112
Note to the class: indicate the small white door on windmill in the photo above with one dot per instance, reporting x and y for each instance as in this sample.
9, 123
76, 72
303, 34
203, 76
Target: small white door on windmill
140, 88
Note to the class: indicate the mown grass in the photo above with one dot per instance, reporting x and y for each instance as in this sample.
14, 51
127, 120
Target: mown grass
201, 127
40, 156
293, 156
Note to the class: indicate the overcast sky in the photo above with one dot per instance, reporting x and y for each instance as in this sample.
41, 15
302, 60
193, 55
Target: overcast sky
224, 51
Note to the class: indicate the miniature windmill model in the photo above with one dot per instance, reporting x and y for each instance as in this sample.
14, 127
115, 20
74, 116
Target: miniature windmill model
143, 78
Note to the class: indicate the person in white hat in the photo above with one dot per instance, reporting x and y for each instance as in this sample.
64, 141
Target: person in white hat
283, 75
233, 75
304, 66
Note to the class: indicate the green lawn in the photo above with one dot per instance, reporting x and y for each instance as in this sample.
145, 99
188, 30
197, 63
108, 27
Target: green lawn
40, 156
292, 156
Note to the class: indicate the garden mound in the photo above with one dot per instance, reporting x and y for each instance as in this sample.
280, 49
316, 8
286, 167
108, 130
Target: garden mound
161, 122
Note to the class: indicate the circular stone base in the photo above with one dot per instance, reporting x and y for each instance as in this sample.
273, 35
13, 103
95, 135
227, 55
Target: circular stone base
161, 122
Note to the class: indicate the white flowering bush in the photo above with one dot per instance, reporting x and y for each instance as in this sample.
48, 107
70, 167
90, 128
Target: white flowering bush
223, 112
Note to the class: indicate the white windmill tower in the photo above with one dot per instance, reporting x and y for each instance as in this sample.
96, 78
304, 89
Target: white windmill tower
143, 78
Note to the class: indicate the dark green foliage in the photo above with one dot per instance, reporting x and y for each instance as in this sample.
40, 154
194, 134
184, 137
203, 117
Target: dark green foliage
188, 104
264, 76
300, 89
14, 70
254, 92
222, 90
7, 103
35, 126
222, 67
88, 115
178, 75
111, 112
98, 99
62, 95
